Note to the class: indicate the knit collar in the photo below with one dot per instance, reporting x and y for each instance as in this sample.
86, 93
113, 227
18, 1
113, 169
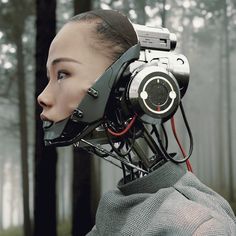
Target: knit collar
165, 176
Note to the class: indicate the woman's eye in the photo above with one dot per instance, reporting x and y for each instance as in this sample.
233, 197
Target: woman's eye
62, 75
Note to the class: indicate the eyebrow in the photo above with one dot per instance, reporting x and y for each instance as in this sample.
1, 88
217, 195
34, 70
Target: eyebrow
58, 60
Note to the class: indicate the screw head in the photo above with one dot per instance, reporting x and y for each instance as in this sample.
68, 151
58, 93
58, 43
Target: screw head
77, 114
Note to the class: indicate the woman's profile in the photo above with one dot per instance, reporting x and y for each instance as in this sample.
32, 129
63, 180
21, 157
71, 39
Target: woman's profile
165, 200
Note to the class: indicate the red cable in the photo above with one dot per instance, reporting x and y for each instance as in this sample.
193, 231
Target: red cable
118, 134
189, 167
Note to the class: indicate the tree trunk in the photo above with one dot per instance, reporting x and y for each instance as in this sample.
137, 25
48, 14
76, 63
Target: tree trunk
1, 191
81, 215
81, 202
228, 101
23, 133
61, 188
11, 196
45, 157
141, 19
126, 8
221, 102
163, 15
81, 6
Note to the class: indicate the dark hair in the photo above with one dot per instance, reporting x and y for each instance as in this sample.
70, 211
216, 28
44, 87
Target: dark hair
113, 31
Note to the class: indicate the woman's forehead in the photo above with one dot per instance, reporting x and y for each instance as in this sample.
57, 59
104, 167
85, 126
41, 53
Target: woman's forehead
72, 33
71, 39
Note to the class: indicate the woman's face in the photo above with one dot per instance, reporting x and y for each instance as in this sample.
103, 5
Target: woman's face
73, 66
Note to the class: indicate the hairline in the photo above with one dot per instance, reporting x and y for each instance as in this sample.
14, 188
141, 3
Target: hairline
96, 41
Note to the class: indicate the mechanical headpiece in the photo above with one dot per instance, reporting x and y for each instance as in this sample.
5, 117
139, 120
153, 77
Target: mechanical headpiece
144, 85
149, 78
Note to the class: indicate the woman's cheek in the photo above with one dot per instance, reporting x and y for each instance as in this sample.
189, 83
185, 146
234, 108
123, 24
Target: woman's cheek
74, 98
72, 91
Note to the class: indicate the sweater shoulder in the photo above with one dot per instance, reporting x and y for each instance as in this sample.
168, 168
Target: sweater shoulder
186, 208
213, 227
194, 190
179, 215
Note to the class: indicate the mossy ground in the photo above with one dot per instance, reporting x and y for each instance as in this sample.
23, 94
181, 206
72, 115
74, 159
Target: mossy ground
63, 230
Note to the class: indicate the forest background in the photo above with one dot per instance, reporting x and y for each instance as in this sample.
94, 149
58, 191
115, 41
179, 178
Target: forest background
55, 191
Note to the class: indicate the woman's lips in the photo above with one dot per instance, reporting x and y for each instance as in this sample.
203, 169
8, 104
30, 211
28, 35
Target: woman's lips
46, 122
44, 118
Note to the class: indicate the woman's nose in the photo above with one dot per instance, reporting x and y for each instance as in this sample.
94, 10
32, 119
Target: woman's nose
45, 99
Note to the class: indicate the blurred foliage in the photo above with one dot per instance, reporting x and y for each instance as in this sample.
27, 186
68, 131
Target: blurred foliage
14, 231
63, 229
14, 12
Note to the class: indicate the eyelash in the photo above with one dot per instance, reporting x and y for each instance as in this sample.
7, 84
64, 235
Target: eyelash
66, 74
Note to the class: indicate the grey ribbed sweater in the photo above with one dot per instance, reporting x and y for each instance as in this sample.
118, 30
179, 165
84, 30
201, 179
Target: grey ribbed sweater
169, 201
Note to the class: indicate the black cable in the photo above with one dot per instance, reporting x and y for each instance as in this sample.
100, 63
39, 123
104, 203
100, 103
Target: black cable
119, 118
165, 136
122, 144
100, 154
153, 144
163, 150
188, 128
124, 173
131, 169
164, 132
116, 150
154, 130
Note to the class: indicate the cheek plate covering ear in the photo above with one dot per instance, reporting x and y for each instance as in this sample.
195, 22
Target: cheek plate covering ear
90, 112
